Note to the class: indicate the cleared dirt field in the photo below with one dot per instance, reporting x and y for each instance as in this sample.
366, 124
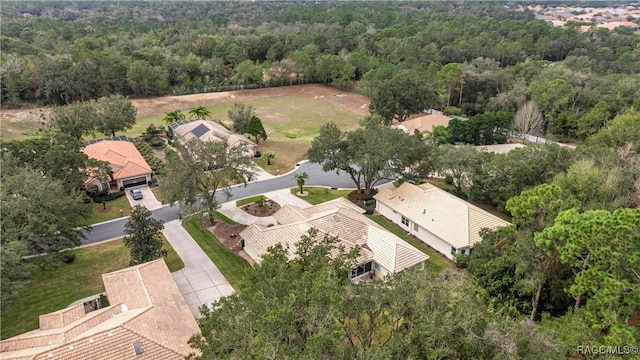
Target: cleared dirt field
291, 115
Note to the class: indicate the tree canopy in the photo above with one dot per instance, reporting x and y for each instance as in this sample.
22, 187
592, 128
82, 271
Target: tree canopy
368, 154
142, 236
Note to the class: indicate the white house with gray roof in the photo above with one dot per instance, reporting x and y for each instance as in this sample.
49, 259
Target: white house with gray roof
381, 252
206, 130
443, 221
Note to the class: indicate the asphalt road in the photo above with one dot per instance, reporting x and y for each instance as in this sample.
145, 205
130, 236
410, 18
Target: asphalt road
317, 177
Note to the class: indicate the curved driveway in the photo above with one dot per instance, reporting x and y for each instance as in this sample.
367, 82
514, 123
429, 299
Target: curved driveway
115, 228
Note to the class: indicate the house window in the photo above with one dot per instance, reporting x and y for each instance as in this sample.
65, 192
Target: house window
405, 221
470, 251
453, 250
463, 251
362, 269
378, 267
415, 227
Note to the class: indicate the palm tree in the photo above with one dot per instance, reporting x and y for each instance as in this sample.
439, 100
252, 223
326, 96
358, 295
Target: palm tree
300, 179
439, 135
269, 155
200, 112
173, 116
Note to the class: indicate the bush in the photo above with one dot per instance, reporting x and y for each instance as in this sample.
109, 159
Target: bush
156, 142
98, 198
448, 179
257, 154
121, 188
103, 301
68, 257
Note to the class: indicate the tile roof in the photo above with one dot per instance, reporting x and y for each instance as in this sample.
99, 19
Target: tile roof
448, 217
206, 130
424, 123
147, 308
338, 218
125, 160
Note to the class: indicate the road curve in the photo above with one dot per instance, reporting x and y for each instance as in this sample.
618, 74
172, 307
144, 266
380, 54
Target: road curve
317, 177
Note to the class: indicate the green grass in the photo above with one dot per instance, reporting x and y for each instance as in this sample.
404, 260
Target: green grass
226, 219
98, 214
436, 262
318, 195
161, 194
55, 289
250, 200
232, 266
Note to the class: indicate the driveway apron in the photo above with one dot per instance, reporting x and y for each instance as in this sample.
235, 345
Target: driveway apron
200, 282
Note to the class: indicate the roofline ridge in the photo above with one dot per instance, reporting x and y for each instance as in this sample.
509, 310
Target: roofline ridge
124, 326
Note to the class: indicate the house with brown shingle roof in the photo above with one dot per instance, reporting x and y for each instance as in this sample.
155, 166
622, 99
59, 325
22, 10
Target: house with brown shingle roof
148, 319
424, 123
443, 221
381, 252
128, 166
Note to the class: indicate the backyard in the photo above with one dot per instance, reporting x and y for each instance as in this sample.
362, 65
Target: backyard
291, 115
55, 289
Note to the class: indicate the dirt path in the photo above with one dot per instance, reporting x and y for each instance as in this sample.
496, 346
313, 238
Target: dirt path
159, 105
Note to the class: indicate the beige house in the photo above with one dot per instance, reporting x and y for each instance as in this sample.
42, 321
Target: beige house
381, 252
206, 130
147, 319
424, 123
128, 166
443, 221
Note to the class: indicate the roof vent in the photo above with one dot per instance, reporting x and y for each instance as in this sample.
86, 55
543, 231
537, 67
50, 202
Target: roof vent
137, 347
71, 347
124, 307
336, 218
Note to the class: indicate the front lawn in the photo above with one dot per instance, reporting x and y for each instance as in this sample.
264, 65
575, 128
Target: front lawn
112, 211
318, 195
436, 262
54, 289
250, 200
232, 266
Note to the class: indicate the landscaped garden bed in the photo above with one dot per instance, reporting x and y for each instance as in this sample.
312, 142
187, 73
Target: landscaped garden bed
260, 206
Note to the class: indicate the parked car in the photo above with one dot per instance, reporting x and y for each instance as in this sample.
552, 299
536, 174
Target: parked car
136, 194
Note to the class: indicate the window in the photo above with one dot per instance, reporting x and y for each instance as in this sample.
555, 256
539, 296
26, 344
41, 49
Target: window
378, 267
405, 221
415, 227
453, 251
362, 269
463, 251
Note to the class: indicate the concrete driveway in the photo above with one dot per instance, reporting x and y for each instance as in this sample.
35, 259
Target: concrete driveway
148, 198
200, 282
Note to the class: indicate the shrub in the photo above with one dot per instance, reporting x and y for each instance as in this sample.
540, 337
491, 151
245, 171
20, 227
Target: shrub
257, 154
121, 188
104, 302
98, 198
156, 142
68, 257
448, 179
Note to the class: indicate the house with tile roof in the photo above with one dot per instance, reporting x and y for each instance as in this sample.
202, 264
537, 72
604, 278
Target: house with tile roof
424, 123
206, 130
128, 166
148, 319
381, 252
443, 221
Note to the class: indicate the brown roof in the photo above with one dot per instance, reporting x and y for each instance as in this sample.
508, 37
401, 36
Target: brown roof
125, 160
339, 218
147, 308
448, 217
424, 123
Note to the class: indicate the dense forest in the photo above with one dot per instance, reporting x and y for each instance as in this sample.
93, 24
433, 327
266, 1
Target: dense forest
476, 57
566, 273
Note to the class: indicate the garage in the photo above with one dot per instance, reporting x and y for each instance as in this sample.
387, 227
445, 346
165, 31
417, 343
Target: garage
134, 182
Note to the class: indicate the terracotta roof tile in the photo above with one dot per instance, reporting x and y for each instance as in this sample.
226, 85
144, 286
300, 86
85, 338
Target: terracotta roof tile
125, 160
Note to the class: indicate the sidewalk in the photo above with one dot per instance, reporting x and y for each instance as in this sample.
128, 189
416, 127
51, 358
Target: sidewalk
282, 197
200, 282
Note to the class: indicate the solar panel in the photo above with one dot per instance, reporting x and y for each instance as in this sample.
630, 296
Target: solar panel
200, 130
